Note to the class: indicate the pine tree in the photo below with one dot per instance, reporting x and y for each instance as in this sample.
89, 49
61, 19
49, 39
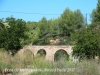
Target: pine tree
96, 14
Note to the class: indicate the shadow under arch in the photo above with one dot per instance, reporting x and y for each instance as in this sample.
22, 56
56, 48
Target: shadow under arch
61, 55
41, 53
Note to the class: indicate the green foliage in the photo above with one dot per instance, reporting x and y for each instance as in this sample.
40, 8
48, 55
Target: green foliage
3, 26
20, 33
13, 38
88, 44
4, 65
95, 16
60, 54
32, 31
42, 32
70, 22
41, 52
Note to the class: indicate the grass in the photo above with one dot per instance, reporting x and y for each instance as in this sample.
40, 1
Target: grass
44, 67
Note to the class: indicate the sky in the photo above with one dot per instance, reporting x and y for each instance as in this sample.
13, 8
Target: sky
34, 10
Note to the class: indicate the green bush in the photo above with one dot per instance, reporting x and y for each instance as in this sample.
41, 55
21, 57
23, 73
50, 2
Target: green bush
4, 65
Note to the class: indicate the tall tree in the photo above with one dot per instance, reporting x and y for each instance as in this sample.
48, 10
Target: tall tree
32, 31
14, 37
88, 44
79, 20
66, 23
42, 32
70, 23
95, 16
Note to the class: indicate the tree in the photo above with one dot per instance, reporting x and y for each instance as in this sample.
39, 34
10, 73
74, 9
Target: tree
32, 31
66, 24
42, 32
88, 44
78, 21
70, 23
4, 26
13, 38
95, 16
54, 28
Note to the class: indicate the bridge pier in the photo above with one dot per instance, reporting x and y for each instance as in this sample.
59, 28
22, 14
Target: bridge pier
50, 58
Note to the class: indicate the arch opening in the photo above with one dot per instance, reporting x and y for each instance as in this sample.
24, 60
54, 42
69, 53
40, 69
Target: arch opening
41, 53
61, 55
27, 56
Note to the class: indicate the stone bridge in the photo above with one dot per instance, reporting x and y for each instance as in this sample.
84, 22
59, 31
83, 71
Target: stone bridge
49, 49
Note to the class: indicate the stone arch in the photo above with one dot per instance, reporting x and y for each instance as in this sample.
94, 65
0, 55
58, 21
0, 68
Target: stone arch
50, 50
41, 52
61, 54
